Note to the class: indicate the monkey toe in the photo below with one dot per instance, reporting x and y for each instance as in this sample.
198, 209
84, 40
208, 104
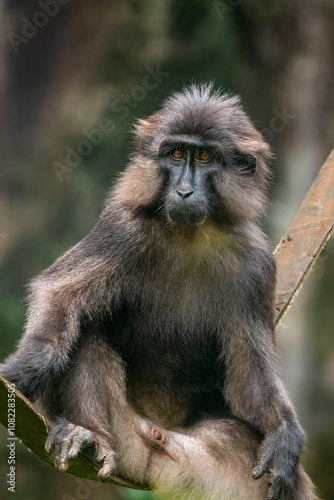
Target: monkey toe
107, 456
107, 470
63, 456
60, 455
65, 440
48, 446
80, 438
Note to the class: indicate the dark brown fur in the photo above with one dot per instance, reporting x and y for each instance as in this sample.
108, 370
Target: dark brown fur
149, 323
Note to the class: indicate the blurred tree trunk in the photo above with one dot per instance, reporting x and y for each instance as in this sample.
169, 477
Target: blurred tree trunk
46, 72
43, 74
47, 60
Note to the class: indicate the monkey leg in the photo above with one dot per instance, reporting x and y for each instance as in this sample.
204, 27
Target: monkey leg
92, 409
212, 460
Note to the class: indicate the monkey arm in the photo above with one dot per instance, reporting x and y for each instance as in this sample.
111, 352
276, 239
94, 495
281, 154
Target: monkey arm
256, 393
252, 385
75, 289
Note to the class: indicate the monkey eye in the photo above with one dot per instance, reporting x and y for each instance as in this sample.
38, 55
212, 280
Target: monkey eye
177, 154
202, 156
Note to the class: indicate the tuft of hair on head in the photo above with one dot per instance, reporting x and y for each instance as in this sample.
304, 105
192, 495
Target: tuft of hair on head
197, 110
200, 110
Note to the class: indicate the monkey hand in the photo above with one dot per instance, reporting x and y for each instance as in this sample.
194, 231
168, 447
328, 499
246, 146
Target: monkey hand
281, 487
279, 458
66, 440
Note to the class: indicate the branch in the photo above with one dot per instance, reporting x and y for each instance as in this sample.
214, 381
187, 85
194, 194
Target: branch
305, 238
32, 429
296, 253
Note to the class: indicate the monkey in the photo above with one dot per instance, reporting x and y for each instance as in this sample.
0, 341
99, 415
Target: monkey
153, 338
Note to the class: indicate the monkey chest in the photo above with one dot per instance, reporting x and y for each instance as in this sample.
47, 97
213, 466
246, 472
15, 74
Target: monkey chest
164, 348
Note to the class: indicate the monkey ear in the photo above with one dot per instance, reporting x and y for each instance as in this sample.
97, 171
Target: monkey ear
247, 162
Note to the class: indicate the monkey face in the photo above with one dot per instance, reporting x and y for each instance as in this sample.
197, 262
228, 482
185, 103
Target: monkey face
210, 160
187, 167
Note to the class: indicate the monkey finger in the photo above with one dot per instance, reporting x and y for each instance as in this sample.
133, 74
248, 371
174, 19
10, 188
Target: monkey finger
259, 471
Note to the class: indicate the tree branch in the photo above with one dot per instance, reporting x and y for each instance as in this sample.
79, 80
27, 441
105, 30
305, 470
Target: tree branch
305, 238
32, 429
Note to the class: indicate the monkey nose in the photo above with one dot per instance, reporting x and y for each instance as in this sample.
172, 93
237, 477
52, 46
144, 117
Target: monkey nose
184, 192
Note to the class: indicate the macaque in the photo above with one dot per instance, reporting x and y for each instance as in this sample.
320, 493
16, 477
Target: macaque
153, 338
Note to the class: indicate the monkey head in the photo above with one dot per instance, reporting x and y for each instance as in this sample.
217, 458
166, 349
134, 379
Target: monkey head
199, 157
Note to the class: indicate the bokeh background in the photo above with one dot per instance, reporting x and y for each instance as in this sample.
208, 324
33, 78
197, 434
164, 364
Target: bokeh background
70, 67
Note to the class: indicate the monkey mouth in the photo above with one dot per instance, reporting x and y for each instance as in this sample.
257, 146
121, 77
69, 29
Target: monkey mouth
186, 217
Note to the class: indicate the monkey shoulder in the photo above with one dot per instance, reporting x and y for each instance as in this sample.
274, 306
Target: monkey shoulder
261, 263
256, 286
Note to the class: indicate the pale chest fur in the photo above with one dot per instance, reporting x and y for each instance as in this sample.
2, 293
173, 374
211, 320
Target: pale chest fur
188, 277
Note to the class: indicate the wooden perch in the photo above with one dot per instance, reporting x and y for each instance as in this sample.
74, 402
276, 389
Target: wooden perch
305, 238
32, 428
296, 254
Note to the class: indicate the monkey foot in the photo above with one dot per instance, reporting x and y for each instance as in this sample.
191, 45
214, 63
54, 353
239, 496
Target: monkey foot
66, 440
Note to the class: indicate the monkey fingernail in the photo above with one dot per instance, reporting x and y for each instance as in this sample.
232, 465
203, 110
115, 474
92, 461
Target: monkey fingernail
105, 473
72, 453
63, 466
257, 472
48, 447
103, 477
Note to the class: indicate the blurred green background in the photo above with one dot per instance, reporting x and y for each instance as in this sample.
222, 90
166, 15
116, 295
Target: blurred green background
71, 67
